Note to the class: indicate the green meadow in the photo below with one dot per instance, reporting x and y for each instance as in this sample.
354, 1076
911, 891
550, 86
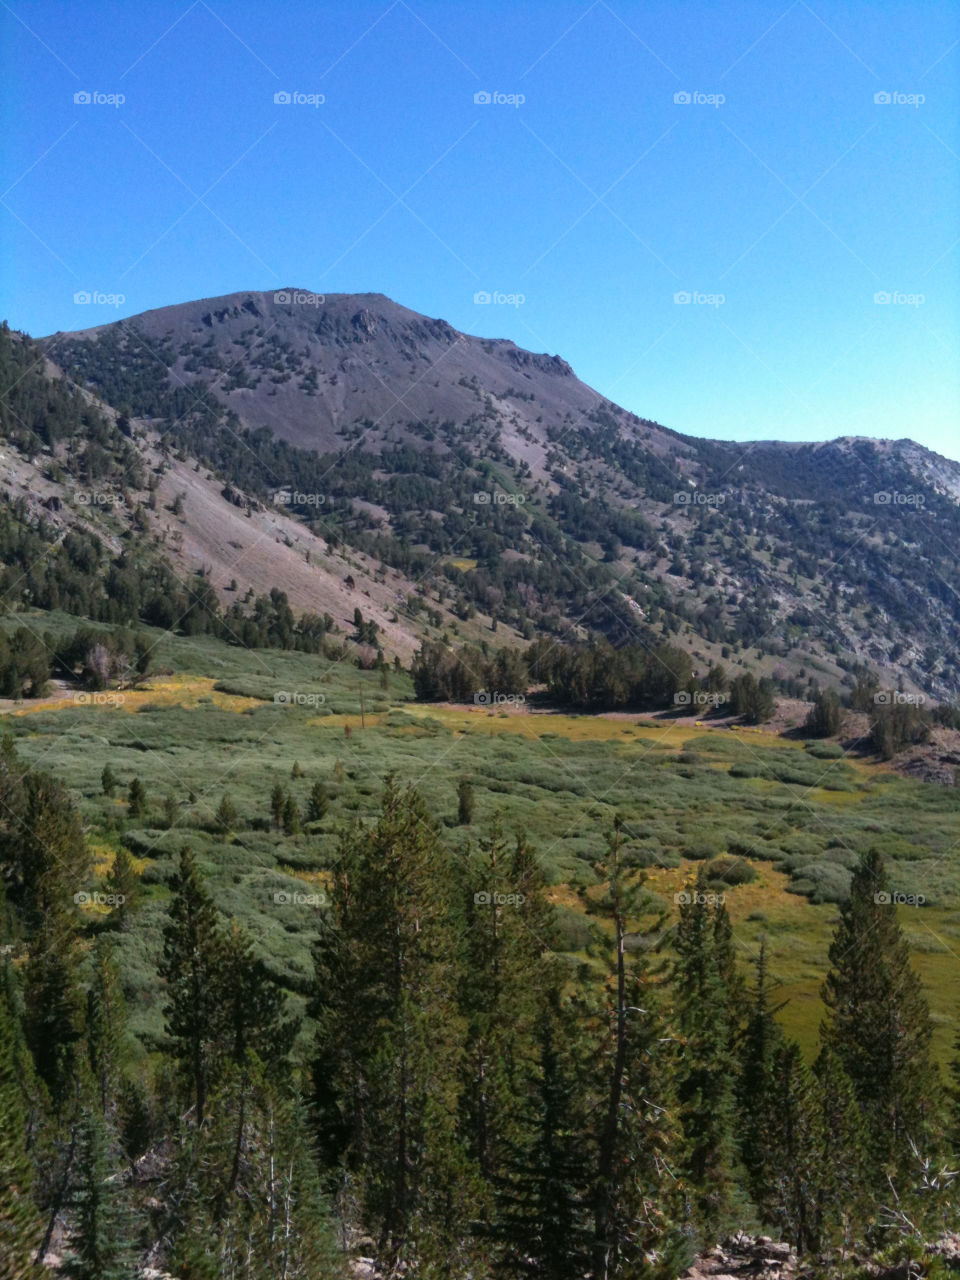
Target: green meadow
780, 823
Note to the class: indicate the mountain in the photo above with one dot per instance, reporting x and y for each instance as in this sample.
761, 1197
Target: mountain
480, 487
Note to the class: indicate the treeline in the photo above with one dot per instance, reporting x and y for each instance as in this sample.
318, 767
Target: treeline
462, 1096
589, 677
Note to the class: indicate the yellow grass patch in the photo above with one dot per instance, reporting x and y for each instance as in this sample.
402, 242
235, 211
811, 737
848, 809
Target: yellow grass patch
170, 691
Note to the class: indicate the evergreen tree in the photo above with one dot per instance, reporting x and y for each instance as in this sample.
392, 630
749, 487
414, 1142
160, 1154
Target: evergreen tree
635, 1141
390, 1041
706, 1066
100, 1236
278, 798
137, 800
291, 817
192, 967
464, 802
225, 818
878, 1022
544, 1225
318, 803
20, 1226
104, 1029
53, 1005
124, 884
108, 780
843, 1201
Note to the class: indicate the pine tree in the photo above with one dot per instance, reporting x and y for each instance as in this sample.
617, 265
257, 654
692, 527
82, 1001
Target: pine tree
100, 1235
843, 1201
318, 803
104, 1029
108, 780
192, 966
53, 1004
278, 798
390, 1041
878, 1022
123, 883
544, 1226
464, 802
42, 845
136, 800
296, 771
291, 817
791, 1196
20, 1226
225, 818
762, 1039
635, 1140
706, 1066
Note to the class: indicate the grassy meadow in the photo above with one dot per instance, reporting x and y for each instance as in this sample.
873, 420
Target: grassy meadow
780, 822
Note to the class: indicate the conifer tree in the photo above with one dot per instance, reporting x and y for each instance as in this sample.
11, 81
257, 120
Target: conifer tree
544, 1225
635, 1140
104, 1029
100, 1235
464, 802
843, 1200
226, 816
136, 800
20, 1226
108, 780
390, 1040
192, 967
706, 1067
317, 803
878, 1022
278, 798
291, 816
124, 884
762, 1039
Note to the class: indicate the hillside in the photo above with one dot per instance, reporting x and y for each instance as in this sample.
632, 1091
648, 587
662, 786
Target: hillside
429, 450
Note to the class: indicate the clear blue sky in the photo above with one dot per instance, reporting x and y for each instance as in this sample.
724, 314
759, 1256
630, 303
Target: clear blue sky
797, 198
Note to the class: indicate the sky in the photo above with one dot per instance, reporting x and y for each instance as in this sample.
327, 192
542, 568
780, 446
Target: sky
741, 221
